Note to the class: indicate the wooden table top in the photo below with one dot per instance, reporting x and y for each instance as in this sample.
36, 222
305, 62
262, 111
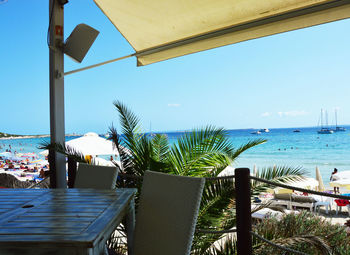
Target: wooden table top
59, 216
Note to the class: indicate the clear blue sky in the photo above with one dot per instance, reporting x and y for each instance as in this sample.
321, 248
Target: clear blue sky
278, 81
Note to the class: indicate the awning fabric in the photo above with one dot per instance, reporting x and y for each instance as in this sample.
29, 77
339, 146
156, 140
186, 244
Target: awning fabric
164, 29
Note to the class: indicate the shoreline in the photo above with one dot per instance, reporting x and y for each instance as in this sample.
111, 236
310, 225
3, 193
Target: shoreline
31, 136
23, 137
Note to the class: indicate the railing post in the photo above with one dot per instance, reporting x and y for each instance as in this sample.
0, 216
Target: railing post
72, 171
243, 211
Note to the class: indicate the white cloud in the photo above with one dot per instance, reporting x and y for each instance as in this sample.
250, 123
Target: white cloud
294, 113
265, 114
174, 105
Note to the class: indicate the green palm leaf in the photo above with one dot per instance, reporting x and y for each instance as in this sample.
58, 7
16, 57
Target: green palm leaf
279, 174
198, 152
160, 146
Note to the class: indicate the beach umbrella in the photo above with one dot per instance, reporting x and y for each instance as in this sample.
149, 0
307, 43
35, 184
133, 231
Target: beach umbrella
305, 183
320, 180
44, 153
229, 170
92, 144
5, 154
10, 156
345, 183
254, 170
101, 162
342, 180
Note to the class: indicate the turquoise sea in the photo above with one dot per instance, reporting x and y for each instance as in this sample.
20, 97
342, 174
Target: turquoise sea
307, 149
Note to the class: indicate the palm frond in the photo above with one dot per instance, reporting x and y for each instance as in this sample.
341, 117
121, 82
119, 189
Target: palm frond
216, 212
124, 154
130, 125
225, 245
160, 146
200, 151
247, 146
279, 174
65, 150
293, 242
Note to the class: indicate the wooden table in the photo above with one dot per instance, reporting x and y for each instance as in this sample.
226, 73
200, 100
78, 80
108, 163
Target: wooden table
62, 221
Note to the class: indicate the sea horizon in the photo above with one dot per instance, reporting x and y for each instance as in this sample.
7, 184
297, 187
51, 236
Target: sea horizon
284, 147
173, 131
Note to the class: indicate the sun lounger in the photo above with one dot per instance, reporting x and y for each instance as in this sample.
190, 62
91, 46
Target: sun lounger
291, 201
266, 213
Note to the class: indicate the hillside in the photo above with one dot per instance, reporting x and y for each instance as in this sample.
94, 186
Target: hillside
2, 135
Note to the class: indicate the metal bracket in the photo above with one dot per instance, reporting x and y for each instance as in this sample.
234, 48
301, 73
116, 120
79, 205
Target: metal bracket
59, 75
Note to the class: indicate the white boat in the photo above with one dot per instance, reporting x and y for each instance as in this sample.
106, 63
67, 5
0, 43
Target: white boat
324, 129
264, 130
337, 128
256, 133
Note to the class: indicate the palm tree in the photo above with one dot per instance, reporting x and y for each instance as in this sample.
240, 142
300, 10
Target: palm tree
201, 153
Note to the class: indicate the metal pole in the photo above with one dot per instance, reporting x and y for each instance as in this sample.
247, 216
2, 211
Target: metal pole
72, 171
57, 130
243, 211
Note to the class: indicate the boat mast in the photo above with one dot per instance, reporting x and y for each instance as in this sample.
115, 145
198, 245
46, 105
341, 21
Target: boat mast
321, 118
336, 119
326, 119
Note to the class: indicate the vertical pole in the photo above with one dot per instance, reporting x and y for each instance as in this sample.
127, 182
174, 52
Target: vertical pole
57, 130
72, 171
243, 211
51, 158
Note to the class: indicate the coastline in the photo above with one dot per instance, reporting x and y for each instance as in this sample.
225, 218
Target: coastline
23, 137
32, 136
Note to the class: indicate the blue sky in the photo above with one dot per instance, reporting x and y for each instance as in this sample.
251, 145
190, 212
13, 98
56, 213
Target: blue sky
278, 81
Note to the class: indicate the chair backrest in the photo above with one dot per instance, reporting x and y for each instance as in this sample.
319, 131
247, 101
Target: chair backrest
167, 214
95, 177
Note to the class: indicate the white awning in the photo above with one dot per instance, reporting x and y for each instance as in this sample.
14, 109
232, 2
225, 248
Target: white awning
164, 29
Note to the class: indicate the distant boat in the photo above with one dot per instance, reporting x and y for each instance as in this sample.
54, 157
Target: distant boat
256, 133
264, 130
337, 128
296, 131
324, 129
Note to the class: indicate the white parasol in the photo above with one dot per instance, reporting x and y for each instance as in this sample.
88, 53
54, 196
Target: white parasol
305, 183
92, 144
320, 180
341, 179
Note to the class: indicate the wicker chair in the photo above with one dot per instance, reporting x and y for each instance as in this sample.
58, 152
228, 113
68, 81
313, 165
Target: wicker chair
95, 177
167, 214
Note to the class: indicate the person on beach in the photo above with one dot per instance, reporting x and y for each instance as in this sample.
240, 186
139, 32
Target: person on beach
42, 173
335, 177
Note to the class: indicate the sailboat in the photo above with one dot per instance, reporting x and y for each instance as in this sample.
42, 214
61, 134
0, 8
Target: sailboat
324, 130
337, 128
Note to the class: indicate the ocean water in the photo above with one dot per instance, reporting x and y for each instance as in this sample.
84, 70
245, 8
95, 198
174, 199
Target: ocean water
306, 149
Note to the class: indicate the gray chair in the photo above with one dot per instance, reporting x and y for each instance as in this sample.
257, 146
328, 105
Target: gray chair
95, 177
167, 214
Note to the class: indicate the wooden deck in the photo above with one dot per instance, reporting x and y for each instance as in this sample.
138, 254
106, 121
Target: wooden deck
57, 221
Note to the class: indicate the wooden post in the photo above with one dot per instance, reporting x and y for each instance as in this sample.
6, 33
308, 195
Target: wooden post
243, 211
72, 171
